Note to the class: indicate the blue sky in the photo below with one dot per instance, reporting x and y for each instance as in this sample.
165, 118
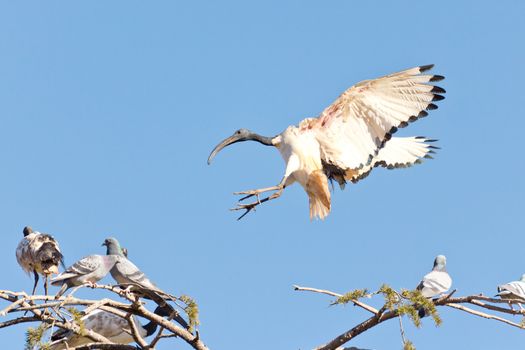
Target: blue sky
109, 110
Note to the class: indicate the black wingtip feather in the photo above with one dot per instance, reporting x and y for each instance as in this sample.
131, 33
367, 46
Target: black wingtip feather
425, 68
422, 114
431, 107
437, 78
438, 98
438, 90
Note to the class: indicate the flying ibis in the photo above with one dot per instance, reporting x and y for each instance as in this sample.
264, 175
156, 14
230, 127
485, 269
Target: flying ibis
349, 138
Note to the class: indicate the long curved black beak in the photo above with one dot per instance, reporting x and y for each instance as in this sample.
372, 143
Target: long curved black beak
226, 142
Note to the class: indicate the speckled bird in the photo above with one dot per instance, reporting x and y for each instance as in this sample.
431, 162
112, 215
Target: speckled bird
349, 138
111, 326
39, 253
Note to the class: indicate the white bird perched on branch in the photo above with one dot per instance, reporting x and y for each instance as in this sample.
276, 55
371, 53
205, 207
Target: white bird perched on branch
110, 326
39, 253
350, 137
436, 282
513, 290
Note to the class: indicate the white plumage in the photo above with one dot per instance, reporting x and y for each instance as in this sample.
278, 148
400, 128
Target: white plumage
39, 253
437, 281
513, 290
351, 137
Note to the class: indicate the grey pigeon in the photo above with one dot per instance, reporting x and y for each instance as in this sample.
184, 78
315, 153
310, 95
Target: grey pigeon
92, 268
109, 325
125, 272
39, 253
436, 282
513, 290
128, 274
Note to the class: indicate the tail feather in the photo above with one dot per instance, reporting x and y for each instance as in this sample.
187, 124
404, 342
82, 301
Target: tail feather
318, 194
62, 290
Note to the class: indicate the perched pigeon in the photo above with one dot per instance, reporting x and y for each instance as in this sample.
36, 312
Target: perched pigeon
92, 268
513, 290
124, 271
436, 282
39, 253
109, 325
128, 275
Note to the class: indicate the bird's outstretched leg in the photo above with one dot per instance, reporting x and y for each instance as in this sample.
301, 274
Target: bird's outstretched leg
255, 193
36, 282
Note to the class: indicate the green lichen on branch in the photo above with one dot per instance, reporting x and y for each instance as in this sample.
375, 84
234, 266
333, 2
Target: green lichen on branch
392, 299
77, 317
34, 337
192, 310
408, 345
418, 301
351, 296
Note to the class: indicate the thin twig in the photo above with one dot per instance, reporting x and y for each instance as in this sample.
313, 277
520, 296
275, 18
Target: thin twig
337, 295
484, 315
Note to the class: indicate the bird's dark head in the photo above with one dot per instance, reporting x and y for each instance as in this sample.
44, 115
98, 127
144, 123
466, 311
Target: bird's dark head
113, 246
239, 136
27, 231
440, 263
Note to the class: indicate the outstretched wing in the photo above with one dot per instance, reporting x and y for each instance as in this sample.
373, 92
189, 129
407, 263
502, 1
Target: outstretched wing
398, 152
357, 125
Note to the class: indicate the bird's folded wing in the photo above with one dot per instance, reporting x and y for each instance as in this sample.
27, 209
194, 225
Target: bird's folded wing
132, 274
517, 288
398, 152
435, 283
82, 267
356, 126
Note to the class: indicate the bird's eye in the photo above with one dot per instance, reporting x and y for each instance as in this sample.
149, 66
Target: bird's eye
238, 132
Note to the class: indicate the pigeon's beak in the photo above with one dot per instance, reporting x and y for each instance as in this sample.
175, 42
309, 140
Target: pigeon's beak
105, 244
226, 142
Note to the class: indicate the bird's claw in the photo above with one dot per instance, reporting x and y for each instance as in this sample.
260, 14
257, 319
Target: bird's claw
247, 207
249, 194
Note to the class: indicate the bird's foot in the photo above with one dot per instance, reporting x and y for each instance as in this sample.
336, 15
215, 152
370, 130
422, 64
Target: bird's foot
247, 207
256, 193
251, 206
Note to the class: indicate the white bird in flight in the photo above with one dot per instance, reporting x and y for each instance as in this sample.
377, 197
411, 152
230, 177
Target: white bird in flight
350, 137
